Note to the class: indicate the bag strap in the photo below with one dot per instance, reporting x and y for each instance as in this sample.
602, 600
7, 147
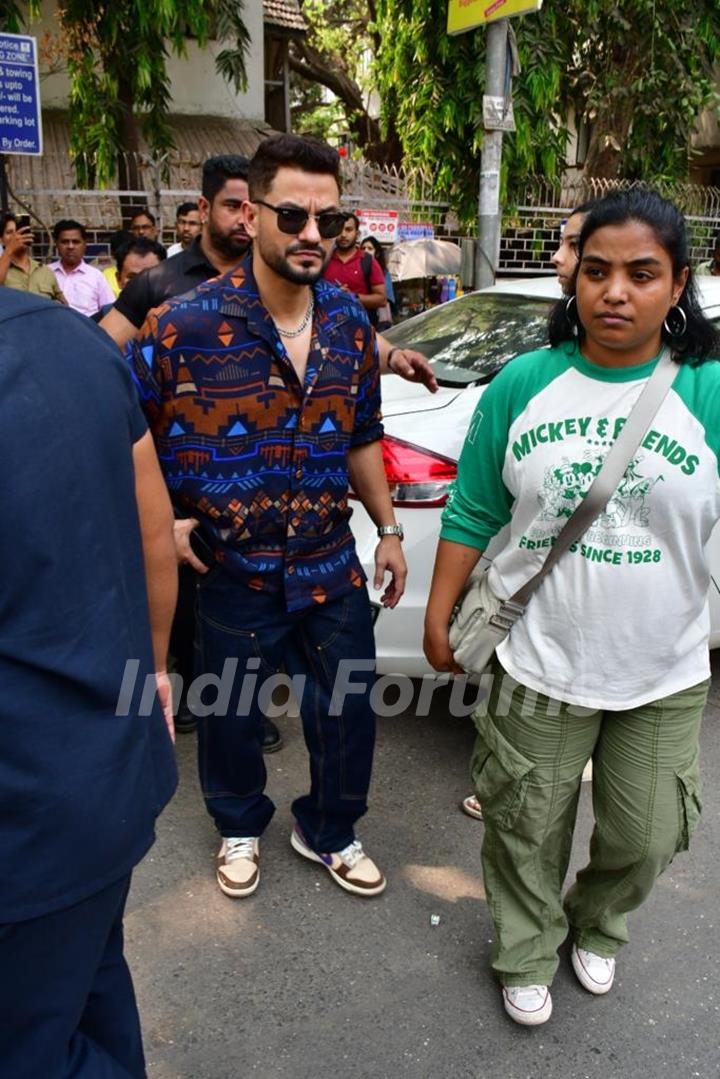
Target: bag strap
607, 479
366, 266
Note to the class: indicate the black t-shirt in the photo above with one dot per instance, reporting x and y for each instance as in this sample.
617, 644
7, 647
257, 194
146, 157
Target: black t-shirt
82, 775
173, 277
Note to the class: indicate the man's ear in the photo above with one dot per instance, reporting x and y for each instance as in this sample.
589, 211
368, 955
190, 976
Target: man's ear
249, 213
203, 208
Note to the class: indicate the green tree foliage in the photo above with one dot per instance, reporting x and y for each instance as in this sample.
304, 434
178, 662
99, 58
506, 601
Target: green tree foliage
13, 16
338, 54
116, 53
640, 74
117, 61
432, 86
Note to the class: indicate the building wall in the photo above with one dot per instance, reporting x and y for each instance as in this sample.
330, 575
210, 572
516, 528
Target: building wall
196, 87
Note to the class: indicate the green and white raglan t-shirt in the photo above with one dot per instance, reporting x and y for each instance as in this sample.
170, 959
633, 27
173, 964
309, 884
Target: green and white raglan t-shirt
623, 617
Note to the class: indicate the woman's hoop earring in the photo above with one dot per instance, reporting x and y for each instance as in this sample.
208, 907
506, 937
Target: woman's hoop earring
569, 315
668, 329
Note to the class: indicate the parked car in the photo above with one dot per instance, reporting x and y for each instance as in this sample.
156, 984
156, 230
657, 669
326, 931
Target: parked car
468, 341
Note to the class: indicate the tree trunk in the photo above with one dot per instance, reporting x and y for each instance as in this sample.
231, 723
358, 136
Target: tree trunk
129, 175
608, 138
365, 129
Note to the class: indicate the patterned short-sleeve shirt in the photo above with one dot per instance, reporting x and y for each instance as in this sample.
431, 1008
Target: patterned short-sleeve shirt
258, 458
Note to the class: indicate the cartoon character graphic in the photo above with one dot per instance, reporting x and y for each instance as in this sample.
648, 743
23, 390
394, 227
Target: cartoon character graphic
564, 486
628, 506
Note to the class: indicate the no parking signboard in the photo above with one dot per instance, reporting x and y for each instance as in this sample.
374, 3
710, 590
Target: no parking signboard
20, 123
382, 224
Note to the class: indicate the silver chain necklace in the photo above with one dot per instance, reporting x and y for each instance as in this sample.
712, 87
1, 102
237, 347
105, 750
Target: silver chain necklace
303, 324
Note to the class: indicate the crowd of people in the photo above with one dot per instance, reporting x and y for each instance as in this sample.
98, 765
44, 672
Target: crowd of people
356, 264
215, 420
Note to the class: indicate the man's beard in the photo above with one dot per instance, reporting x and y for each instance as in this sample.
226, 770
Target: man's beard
278, 262
234, 246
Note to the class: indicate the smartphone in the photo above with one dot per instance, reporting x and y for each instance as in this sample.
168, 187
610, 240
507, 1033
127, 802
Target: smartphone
201, 548
23, 221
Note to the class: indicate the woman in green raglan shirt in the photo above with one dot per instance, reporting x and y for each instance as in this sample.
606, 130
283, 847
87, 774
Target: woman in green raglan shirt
610, 659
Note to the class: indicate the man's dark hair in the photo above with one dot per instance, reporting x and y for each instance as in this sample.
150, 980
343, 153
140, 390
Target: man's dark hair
185, 208
139, 245
355, 218
290, 151
697, 338
5, 220
218, 170
67, 225
119, 239
142, 212
717, 242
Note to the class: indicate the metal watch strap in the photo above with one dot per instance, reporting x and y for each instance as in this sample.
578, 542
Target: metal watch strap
391, 530
606, 481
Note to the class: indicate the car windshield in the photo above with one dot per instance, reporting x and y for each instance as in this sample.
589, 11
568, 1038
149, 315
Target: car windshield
471, 339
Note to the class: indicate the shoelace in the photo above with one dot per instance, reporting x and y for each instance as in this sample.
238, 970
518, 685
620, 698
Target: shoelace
527, 994
239, 847
594, 958
352, 854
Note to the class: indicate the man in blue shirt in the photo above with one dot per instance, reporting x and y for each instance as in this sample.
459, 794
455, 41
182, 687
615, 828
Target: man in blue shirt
84, 772
263, 393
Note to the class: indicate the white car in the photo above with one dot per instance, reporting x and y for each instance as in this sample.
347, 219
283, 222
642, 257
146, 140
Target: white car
467, 340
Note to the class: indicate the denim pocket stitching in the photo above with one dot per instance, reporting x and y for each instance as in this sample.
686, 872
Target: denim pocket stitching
338, 628
241, 634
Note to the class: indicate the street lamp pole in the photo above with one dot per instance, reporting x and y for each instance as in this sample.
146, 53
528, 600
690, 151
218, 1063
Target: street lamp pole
487, 251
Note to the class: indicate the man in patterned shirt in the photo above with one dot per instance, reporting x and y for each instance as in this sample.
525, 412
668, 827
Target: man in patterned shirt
262, 389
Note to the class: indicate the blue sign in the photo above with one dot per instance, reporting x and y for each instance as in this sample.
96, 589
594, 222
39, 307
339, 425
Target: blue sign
408, 230
20, 121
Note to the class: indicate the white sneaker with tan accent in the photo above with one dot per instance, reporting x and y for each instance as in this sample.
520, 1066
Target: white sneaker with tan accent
350, 868
238, 865
594, 972
529, 1005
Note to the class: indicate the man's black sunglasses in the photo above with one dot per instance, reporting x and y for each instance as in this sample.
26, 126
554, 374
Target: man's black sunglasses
292, 220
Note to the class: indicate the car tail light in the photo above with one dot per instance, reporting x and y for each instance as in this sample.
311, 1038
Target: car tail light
416, 476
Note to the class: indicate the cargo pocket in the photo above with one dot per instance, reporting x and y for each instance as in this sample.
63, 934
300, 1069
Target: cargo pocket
500, 774
689, 807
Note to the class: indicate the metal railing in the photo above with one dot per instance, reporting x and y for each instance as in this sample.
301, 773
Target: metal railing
531, 227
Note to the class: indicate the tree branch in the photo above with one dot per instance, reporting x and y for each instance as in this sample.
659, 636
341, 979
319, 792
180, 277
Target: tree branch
315, 68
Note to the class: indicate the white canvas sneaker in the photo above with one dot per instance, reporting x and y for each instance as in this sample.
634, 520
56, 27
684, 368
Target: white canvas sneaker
529, 1005
594, 972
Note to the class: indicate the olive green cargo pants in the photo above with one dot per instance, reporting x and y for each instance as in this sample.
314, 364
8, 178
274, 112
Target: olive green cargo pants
527, 768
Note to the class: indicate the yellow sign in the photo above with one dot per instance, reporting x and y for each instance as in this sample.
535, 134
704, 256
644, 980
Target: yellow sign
467, 14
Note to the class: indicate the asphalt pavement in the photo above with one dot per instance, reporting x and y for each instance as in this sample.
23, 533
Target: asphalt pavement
304, 981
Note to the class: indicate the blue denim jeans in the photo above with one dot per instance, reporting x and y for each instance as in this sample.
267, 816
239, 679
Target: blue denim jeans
256, 630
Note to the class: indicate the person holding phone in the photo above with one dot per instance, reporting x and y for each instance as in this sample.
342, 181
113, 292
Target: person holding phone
17, 268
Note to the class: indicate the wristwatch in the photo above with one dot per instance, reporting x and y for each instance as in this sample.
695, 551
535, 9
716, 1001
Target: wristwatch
391, 530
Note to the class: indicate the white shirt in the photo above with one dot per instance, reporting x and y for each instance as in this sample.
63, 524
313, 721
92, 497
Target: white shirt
623, 618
